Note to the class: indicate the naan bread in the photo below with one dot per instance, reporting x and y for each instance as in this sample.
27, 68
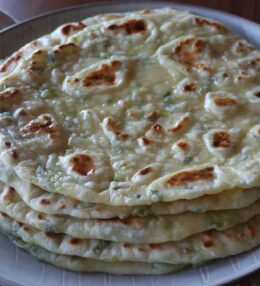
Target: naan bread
129, 143
134, 110
195, 249
75, 263
132, 229
56, 204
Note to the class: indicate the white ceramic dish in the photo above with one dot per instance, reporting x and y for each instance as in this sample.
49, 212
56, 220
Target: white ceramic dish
19, 268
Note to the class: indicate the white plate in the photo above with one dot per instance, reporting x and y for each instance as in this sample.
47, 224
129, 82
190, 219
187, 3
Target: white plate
19, 268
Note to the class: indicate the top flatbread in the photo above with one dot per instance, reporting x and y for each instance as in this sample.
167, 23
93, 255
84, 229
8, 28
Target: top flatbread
135, 109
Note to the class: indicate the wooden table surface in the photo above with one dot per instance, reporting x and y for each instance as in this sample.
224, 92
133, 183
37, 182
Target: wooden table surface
23, 9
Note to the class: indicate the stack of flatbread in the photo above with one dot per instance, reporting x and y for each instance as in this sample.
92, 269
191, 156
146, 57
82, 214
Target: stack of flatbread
129, 144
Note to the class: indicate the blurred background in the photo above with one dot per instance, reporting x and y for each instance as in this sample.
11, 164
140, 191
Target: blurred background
24, 9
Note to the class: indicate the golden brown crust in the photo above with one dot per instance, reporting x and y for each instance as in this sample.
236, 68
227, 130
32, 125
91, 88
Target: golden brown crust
221, 139
72, 28
104, 76
131, 27
191, 176
82, 164
224, 101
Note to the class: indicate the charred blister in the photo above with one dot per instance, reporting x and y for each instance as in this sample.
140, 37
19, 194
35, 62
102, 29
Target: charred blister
192, 176
148, 143
10, 62
132, 26
114, 129
188, 55
183, 150
42, 125
221, 142
209, 24
66, 52
70, 29
147, 174
37, 70
242, 48
102, 76
180, 126
10, 96
82, 164
221, 103
106, 75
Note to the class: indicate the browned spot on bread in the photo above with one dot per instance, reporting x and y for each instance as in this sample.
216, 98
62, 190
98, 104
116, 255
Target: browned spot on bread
82, 164
221, 139
126, 245
131, 27
191, 176
200, 45
104, 76
10, 195
13, 59
257, 94
251, 230
157, 129
134, 114
225, 101
27, 228
225, 75
179, 126
72, 28
75, 241
22, 112
206, 22
39, 53
241, 48
183, 145
189, 87
189, 50
201, 67
66, 46
256, 64
40, 216
208, 243
8, 144
121, 135
152, 116
45, 202
65, 50
147, 141
115, 126
14, 153
10, 95
146, 171
45, 124
49, 235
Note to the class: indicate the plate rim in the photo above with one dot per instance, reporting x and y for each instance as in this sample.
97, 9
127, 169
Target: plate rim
114, 2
